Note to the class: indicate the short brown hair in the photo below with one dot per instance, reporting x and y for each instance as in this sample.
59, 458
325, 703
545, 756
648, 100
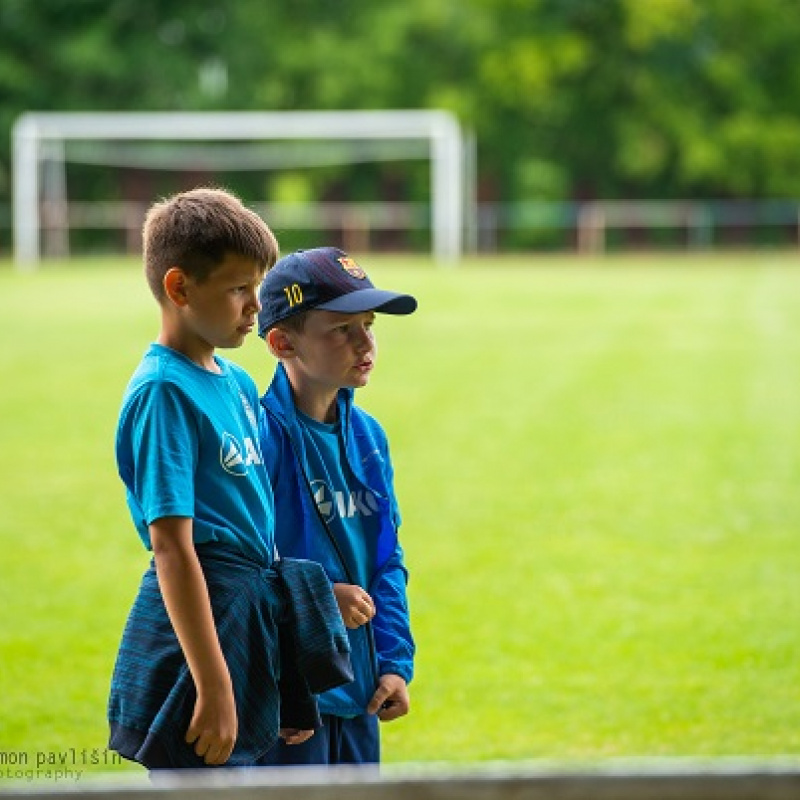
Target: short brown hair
196, 230
296, 323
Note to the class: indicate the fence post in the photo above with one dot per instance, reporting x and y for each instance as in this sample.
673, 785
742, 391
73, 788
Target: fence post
591, 228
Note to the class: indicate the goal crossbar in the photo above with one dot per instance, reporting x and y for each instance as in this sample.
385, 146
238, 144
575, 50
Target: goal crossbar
34, 131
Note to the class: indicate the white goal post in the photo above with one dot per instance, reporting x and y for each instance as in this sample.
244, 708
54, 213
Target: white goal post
39, 134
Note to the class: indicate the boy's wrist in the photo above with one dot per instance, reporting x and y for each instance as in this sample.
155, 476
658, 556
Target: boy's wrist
213, 681
393, 669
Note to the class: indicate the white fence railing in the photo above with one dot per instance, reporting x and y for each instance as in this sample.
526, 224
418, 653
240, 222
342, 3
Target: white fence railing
585, 227
696, 224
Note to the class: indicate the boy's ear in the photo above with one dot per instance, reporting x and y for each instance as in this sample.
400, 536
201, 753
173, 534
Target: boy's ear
280, 343
175, 286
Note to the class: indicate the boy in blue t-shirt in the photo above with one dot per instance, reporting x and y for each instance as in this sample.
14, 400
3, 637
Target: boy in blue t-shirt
329, 465
196, 678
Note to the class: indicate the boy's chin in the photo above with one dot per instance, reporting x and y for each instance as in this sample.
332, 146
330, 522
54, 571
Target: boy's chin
231, 342
358, 383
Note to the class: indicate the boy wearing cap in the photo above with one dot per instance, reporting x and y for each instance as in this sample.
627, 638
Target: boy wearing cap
328, 461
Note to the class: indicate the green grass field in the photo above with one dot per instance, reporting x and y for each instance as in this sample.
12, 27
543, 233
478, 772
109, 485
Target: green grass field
598, 464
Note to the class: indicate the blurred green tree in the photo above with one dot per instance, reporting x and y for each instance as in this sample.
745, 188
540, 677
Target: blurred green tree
567, 98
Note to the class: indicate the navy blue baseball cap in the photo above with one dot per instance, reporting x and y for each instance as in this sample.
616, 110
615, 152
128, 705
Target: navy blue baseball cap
325, 279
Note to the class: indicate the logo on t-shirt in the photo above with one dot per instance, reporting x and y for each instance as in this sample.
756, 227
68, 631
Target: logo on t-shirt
248, 410
347, 504
236, 458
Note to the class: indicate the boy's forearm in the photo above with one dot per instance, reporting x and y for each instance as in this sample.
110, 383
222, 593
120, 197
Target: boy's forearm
185, 594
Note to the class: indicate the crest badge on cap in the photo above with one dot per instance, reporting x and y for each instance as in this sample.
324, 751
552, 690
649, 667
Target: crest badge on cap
351, 267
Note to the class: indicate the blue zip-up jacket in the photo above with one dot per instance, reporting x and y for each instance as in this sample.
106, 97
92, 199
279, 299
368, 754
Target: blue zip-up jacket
299, 533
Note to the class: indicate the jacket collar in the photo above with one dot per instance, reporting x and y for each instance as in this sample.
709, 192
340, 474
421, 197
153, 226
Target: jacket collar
279, 402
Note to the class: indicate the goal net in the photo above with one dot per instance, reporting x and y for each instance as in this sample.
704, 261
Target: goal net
44, 142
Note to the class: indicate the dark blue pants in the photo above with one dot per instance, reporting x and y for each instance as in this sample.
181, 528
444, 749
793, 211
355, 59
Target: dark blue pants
339, 741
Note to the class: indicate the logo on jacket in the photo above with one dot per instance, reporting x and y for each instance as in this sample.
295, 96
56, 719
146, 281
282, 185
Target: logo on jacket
348, 504
234, 458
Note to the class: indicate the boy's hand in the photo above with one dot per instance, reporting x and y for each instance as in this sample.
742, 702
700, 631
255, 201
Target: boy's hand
391, 699
355, 605
214, 727
295, 735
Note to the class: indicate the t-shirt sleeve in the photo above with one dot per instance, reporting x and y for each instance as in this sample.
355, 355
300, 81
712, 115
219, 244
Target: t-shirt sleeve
164, 449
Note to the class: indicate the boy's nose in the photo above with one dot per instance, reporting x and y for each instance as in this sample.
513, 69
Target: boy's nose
364, 340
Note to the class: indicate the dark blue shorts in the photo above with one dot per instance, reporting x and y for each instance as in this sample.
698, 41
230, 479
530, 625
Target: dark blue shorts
340, 741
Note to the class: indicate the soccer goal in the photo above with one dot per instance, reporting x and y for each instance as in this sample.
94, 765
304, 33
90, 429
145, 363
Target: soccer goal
39, 138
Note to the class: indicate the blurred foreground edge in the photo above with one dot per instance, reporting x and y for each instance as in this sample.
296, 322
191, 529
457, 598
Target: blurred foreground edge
771, 778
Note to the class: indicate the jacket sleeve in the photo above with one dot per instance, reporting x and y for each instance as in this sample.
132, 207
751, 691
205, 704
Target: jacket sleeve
391, 624
298, 705
394, 643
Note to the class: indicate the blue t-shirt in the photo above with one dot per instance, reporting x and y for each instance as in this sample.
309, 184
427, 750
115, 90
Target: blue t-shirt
187, 446
349, 508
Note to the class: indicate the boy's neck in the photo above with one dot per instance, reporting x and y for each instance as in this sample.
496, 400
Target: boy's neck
314, 402
198, 352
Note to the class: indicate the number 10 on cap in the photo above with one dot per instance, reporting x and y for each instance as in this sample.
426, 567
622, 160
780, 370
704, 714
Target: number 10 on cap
294, 294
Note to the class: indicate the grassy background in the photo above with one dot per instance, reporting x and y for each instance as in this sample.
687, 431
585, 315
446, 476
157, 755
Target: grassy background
598, 465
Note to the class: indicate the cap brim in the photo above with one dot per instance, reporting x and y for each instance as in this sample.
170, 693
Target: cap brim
371, 300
